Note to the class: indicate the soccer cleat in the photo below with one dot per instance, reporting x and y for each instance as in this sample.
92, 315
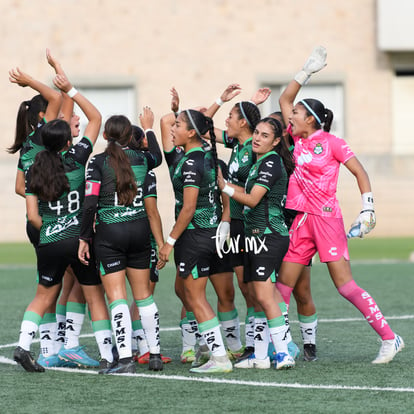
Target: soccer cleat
389, 349
252, 362
78, 357
248, 351
104, 364
201, 357
235, 355
293, 350
188, 356
51, 361
309, 352
26, 360
123, 366
214, 365
155, 362
144, 359
115, 353
284, 361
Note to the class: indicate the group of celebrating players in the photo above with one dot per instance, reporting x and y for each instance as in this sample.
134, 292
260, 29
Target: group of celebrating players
263, 215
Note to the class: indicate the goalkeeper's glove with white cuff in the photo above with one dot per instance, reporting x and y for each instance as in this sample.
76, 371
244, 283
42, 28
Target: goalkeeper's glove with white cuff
316, 61
366, 220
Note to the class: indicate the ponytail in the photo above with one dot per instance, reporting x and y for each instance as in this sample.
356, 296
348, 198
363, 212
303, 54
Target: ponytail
118, 131
27, 120
48, 179
323, 116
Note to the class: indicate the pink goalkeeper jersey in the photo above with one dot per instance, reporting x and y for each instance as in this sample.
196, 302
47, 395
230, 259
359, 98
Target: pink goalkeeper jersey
312, 186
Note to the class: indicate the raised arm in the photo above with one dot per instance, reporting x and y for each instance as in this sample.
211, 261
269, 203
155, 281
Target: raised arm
66, 109
90, 111
315, 62
147, 122
52, 96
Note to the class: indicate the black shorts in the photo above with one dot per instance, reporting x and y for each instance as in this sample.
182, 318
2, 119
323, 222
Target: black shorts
236, 248
54, 258
121, 245
33, 234
264, 256
194, 252
221, 264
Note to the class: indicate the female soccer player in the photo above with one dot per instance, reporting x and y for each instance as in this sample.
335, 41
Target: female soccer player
266, 239
240, 124
54, 196
308, 321
115, 193
221, 277
318, 226
197, 212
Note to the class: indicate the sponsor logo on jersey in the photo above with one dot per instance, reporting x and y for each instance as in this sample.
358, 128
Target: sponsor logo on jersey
62, 225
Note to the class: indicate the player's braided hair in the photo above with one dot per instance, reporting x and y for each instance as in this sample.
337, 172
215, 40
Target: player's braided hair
118, 132
48, 179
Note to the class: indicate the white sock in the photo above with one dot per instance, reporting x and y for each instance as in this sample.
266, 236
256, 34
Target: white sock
284, 309
121, 327
139, 342
261, 337
210, 330
75, 315
28, 329
277, 328
308, 329
103, 337
47, 334
61, 327
187, 335
150, 323
231, 329
249, 328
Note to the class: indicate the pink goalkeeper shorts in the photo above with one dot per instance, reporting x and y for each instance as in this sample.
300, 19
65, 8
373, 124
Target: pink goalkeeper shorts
310, 234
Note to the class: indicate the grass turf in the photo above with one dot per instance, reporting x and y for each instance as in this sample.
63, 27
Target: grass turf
342, 380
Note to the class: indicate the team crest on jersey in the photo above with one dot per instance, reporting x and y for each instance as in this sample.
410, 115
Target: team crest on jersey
245, 157
318, 149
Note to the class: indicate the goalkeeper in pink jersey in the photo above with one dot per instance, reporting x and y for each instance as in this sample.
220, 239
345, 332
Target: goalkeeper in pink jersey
318, 226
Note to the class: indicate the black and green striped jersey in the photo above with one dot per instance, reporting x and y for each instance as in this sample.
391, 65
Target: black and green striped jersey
195, 168
267, 217
32, 145
101, 182
61, 218
241, 160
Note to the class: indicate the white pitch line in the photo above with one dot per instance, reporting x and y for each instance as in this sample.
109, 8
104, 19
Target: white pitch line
177, 328
211, 380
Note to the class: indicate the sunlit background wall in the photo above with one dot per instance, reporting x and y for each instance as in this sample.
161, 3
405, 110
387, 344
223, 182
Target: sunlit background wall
125, 54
